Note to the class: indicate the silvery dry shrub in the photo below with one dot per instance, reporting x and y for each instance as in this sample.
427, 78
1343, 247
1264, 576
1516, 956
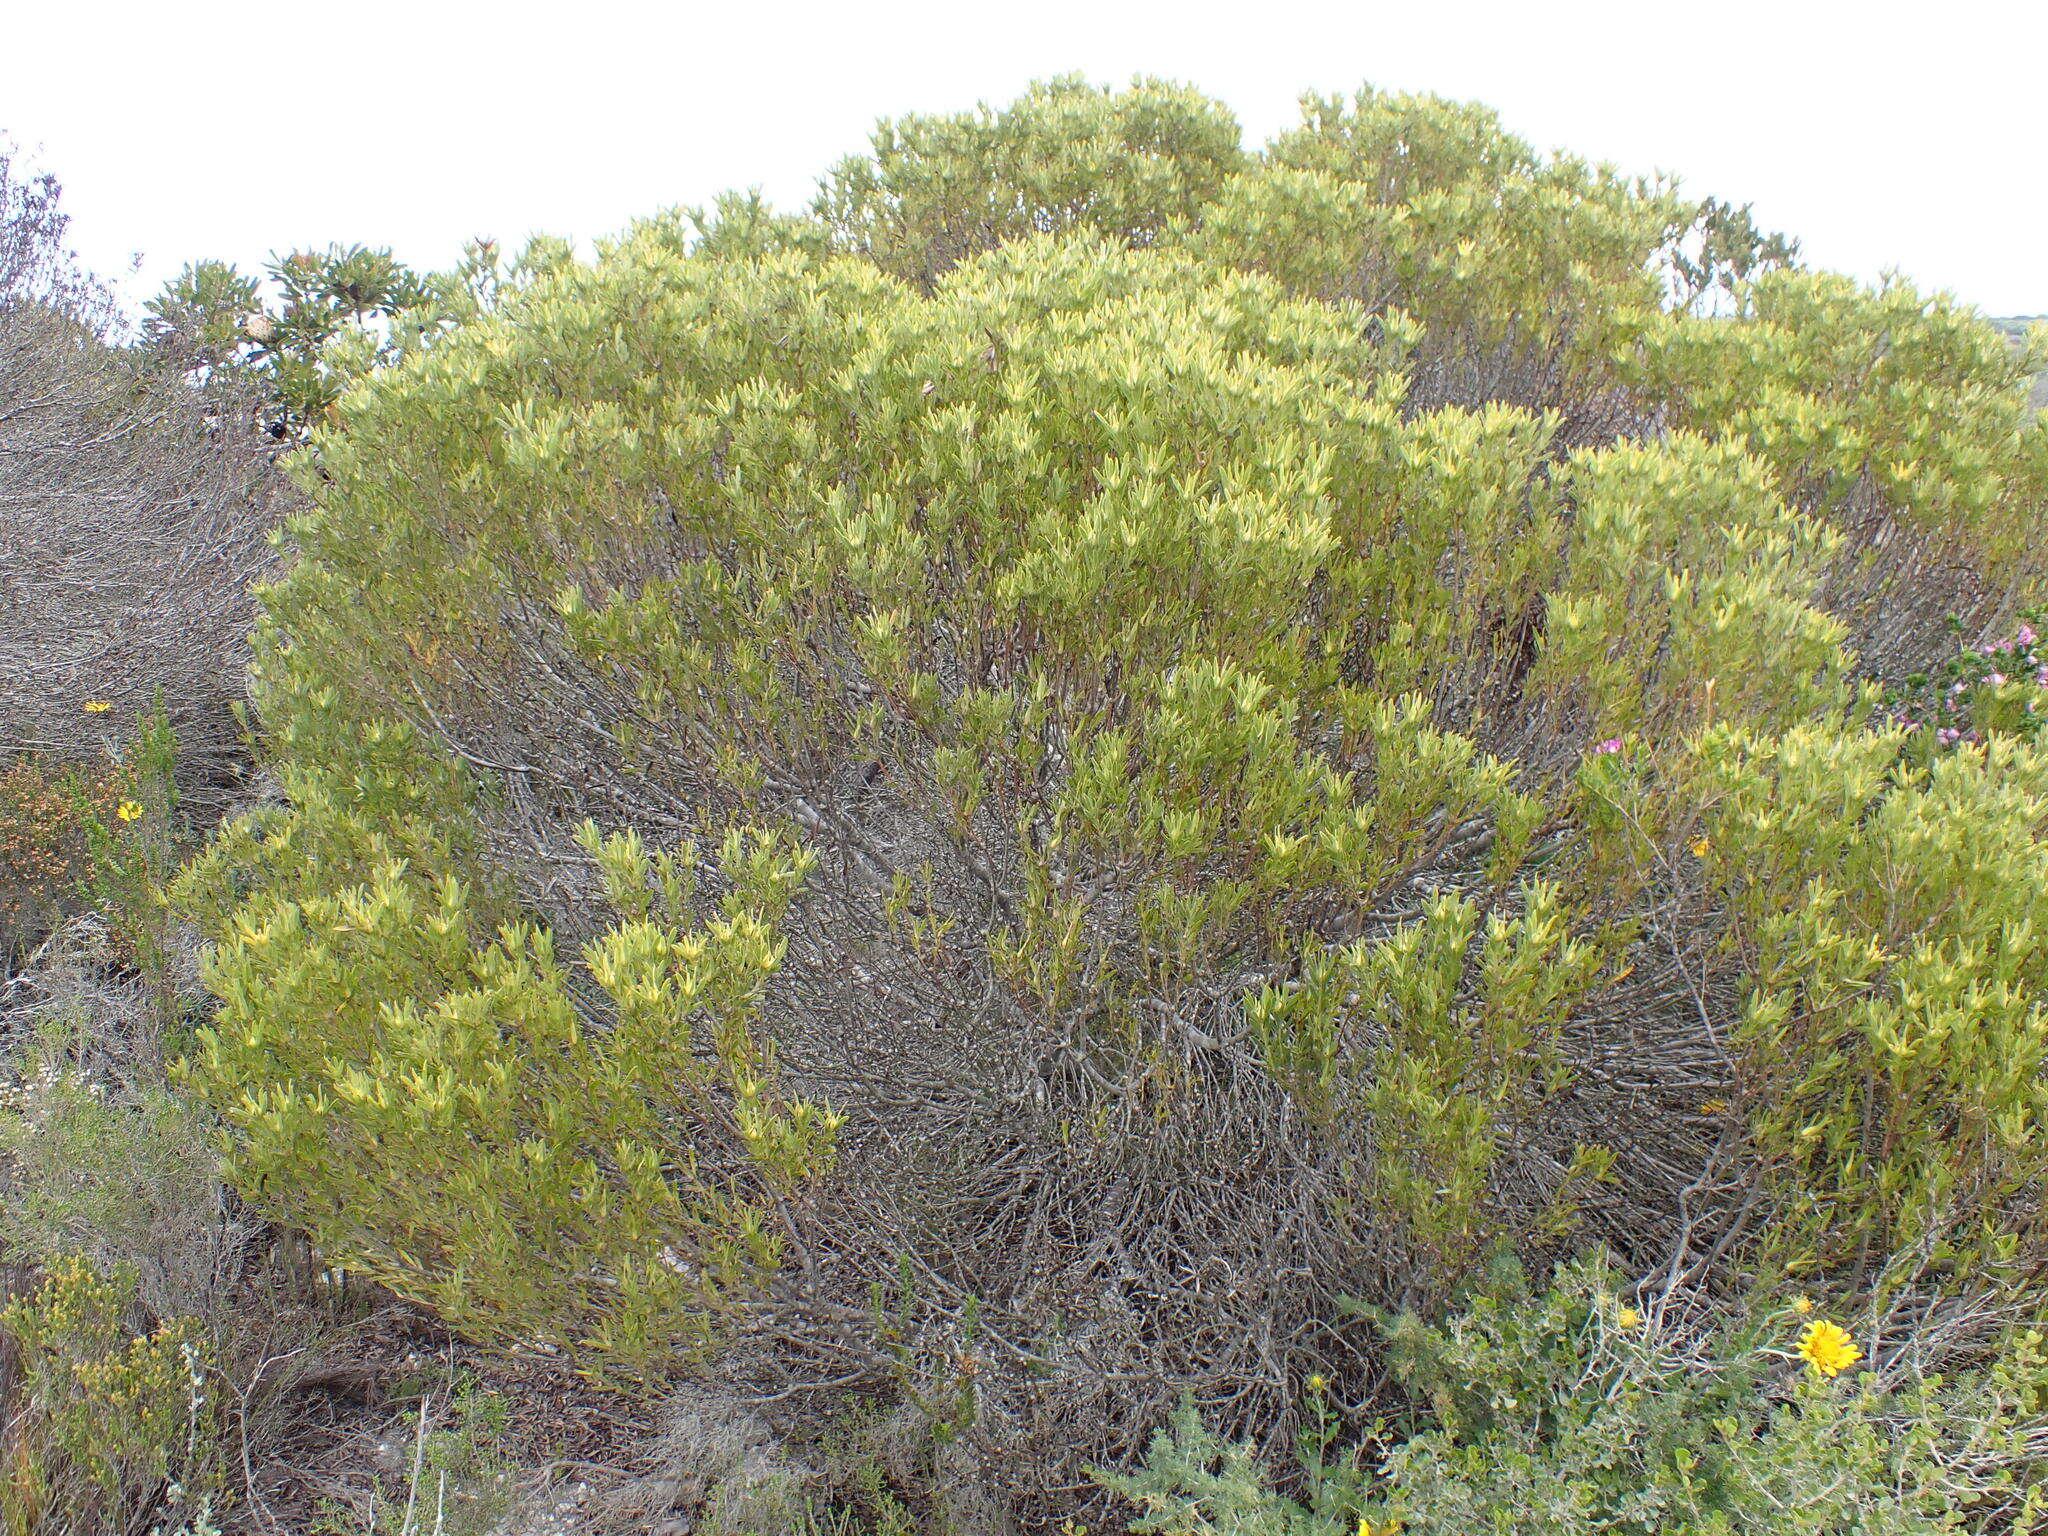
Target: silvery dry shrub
134, 514
1137, 785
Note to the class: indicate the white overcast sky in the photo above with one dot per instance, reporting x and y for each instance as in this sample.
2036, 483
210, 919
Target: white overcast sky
1883, 135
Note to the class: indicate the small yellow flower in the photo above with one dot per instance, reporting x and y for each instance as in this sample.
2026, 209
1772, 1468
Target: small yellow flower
1702, 848
1316, 1383
96, 706
129, 810
1828, 1348
1367, 1528
1802, 1305
1629, 1317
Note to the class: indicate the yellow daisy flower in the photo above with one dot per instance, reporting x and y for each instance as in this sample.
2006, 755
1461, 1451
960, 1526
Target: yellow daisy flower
1702, 848
129, 810
1629, 1317
96, 706
1828, 1348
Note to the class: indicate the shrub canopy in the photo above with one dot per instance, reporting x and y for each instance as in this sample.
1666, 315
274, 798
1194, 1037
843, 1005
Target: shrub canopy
1171, 733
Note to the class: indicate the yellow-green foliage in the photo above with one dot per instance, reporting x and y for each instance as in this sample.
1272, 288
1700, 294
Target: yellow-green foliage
1837, 387
1316, 687
1527, 273
429, 1103
106, 1427
1066, 155
1892, 1036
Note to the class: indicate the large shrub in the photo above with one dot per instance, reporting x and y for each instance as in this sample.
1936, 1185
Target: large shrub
1272, 726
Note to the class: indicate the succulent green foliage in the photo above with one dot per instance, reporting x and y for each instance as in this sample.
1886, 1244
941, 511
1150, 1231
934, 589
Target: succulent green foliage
1570, 1413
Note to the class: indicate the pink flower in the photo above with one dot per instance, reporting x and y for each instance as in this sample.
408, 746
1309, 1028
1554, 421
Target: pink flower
2026, 634
1996, 679
1611, 744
